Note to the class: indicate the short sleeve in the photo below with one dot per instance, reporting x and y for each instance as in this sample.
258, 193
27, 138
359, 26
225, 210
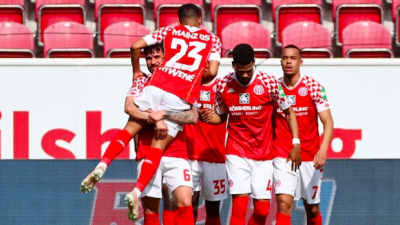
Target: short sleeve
276, 92
157, 36
216, 48
137, 86
320, 99
220, 106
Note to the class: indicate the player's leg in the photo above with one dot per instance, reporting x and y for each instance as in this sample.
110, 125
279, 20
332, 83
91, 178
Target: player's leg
178, 178
151, 209
285, 184
116, 146
261, 181
195, 204
214, 189
310, 185
239, 174
197, 172
169, 212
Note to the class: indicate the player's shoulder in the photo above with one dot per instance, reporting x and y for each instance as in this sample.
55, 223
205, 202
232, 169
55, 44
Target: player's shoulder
311, 83
266, 79
224, 80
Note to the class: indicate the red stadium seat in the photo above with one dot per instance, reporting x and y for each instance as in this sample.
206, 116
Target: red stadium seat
367, 39
346, 12
286, 12
252, 33
12, 11
166, 11
313, 39
396, 19
119, 37
68, 40
108, 12
16, 41
225, 12
49, 12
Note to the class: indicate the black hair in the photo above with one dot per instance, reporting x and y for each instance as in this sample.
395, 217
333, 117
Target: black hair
243, 54
188, 11
157, 47
293, 46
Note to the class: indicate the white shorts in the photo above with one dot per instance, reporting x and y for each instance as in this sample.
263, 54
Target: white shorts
155, 98
210, 178
309, 186
175, 171
249, 176
285, 180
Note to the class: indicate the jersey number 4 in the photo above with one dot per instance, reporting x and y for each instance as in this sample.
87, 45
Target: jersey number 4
194, 53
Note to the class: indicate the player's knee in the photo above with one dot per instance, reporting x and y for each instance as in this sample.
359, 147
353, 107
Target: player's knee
284, 207
184, 201
312, 210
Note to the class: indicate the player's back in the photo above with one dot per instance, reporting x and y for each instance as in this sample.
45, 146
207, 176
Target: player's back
187, 51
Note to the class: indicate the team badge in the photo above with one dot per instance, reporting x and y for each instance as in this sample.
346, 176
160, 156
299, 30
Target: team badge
215, 88
244, 98
204, 96
258, 89
291, 99
303, 91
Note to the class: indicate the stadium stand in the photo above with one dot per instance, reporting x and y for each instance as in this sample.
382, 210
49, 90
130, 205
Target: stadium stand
367, 39
252, 33
16, 41
396, 18
12, 11
68, 40
313, 39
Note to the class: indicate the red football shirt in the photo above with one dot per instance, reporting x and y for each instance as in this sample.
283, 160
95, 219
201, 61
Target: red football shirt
187, 51
307, 98
250, 108
204, 141
176, 149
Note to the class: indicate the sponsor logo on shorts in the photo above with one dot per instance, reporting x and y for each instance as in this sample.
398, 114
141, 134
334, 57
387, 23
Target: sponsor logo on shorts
277, 183
230, 183
303, 91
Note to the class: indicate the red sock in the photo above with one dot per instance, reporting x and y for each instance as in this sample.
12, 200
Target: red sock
116, 146
168, 217
315, 221
151, 219
261, 210
149, 167
282, 219
239, 209
213, 220
185, 216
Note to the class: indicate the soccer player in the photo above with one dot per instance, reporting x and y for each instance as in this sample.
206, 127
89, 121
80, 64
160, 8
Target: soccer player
308, 99
174, 86
154, 55
206, 151
248, 96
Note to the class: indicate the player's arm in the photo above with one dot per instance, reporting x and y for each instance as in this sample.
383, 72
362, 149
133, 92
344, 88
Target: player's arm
211, 71
294, 155
136, 48
210, 116
184, 117
327, 121
133, 111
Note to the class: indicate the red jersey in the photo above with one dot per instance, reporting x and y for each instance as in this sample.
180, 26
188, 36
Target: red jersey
250, 108
187, 51
204, 141
307, 99
176, 149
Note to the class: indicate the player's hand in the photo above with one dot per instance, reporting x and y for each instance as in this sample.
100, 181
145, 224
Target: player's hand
319, 159
137, 74
155, 116
206, 114
162, 130
295, 157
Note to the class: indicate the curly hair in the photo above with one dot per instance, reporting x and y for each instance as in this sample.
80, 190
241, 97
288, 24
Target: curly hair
243, 54
157, 47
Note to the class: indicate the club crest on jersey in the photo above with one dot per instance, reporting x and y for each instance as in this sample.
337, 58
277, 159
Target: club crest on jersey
215, 88
291, 99
303, 91
244, 98
258, 89
205, 95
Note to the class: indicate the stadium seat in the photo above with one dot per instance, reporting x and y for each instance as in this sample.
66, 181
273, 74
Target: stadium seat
225, 12
313, 39
12, 11
367, 39
108, 12
396, 19
166, 11
16, 41
68, 40
119, 37
346, 12
252, 33
49, 12
286, 12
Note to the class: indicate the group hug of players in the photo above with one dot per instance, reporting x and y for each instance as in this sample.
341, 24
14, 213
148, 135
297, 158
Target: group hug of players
194, 133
